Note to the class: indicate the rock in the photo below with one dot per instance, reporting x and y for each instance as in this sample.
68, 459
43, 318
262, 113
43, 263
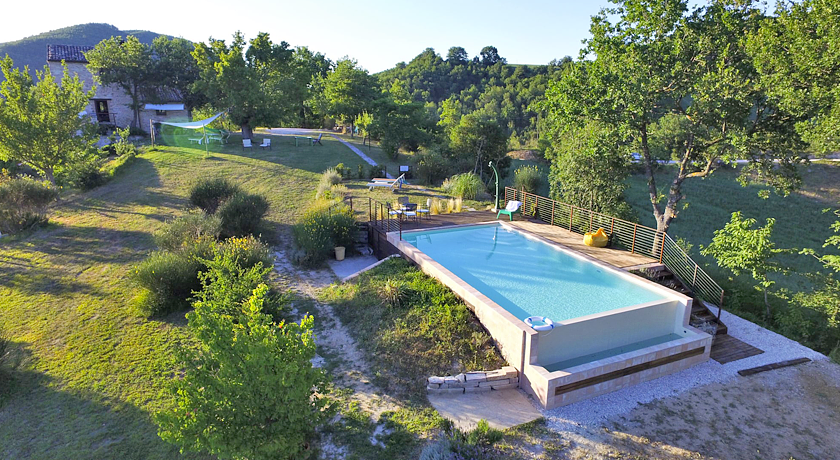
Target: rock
504, 387
477, 389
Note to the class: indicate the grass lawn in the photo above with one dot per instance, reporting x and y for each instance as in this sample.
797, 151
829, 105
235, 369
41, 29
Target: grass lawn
709, 204
97, 370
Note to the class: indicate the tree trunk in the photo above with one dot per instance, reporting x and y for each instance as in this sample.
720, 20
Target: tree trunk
766, 307
48, 173
246, 131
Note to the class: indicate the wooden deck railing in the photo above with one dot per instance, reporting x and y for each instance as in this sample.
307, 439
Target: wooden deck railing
634, 237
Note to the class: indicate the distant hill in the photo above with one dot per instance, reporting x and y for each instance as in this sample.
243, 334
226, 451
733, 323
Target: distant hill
32, 51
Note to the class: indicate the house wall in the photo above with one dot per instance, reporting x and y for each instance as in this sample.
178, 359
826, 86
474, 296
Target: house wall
119, 103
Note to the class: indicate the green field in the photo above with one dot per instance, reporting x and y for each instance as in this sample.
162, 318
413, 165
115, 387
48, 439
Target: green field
709, 204
97, 370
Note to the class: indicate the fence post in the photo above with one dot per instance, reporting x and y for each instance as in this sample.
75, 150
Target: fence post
633, 246
612, 224
590, 220
662, 248
694, 279
571, 215
553, 203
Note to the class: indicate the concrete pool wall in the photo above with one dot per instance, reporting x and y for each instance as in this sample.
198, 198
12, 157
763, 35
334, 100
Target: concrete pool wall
529, 351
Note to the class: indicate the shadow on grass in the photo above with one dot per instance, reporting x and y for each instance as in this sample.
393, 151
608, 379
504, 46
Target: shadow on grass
40, 420
52, 260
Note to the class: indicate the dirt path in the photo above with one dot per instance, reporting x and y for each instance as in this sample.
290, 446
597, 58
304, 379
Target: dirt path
351, 370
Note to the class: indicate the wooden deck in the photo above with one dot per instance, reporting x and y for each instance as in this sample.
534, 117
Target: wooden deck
726, 349
615, 257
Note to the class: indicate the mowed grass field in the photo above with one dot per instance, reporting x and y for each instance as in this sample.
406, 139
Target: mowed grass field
96, 370
709, 204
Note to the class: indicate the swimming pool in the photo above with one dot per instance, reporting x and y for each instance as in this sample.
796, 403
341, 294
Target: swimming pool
528, 277
614, 329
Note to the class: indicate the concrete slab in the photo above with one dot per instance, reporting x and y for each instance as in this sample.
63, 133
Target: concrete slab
350, 265
501, 408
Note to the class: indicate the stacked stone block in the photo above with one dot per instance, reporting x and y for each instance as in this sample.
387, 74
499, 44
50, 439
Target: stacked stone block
501, 379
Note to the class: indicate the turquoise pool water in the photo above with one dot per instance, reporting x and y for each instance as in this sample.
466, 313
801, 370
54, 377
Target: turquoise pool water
528, 277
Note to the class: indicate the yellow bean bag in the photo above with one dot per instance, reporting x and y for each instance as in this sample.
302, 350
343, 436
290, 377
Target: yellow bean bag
598, 239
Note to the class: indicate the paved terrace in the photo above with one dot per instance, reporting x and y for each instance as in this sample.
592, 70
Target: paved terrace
615, 257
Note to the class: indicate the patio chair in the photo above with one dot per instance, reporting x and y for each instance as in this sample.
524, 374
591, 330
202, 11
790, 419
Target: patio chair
266, 143
421, 211
513, 207
246, 144
317, 140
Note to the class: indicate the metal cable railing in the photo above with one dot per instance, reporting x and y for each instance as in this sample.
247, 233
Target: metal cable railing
628, 235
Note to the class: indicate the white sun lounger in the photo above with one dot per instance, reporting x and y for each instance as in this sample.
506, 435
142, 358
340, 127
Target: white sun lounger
390, 183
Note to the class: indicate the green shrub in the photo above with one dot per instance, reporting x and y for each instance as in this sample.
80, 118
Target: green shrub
343, 171
331, 176
247, 251
376, 171
118, 164
360, 173
242, 214
431, 168
466, 186
527, 178
84, 175
209, 194
321, 229
184, 231
23, 203
170, 278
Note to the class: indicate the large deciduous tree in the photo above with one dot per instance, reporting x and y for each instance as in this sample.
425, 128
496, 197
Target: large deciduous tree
246, 83
348, 91
41, 122
588, 169
665, 77
797, 54
174, 67
480, 139
125, 63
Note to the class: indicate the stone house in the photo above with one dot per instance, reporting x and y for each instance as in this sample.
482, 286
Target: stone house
111, 106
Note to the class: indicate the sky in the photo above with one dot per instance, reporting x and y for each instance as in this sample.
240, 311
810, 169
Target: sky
377, 33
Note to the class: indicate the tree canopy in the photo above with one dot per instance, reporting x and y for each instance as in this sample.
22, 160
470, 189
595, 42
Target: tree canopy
248, 82
682, 83
42, 123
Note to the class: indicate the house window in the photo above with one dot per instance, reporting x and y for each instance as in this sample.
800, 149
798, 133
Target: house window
160, 113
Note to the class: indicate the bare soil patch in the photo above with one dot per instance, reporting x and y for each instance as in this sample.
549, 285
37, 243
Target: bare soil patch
786, 413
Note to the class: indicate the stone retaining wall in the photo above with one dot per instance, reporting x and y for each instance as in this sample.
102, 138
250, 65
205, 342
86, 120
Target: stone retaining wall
501, 379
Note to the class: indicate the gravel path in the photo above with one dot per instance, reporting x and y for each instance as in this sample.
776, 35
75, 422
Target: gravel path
601, 409
352, 370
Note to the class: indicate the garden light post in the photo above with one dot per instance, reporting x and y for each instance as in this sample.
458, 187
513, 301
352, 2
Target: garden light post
496, 208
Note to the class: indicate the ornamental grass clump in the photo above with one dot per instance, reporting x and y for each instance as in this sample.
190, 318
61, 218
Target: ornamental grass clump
527, 178
466, 186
